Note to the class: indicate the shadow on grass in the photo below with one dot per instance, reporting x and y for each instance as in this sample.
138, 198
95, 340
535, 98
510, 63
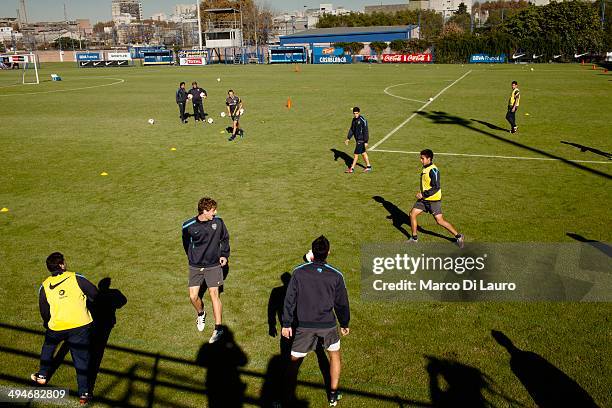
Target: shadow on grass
600, 246
584, 148
156, 377
444, 118
348, 160
547, 385
453, 384
399, 218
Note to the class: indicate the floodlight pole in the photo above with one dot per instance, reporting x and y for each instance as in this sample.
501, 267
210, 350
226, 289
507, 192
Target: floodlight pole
199, 24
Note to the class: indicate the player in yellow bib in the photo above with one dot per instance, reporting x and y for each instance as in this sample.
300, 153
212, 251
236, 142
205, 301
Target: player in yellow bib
62, 299
513, 104
429, 199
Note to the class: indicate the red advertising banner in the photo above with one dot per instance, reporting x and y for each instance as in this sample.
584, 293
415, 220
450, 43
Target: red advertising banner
410, 58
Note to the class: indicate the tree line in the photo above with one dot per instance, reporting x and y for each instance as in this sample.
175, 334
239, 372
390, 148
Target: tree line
554, 29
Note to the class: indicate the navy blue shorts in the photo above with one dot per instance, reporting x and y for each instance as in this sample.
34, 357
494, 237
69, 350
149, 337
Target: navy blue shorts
360, 148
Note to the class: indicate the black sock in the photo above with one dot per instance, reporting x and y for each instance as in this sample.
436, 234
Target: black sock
201, 313
218, 327
415, 237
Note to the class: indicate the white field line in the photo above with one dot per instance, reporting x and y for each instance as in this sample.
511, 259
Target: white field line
401, 97
401, 125
498, 157
117, 81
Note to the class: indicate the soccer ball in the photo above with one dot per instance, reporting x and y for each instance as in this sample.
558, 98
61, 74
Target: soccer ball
532, 69
222, 114
151, 121
241, 111
218, 79
190, 96
202, 94
309, 256
430, 99
210, 120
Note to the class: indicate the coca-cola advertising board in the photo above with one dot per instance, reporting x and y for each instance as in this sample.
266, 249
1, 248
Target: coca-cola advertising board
407, 58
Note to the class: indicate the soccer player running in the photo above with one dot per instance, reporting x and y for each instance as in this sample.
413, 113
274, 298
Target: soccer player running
513, 104
316, 290
359, 129
62, 300
234, 108
197, 96
206, 243
429, 199
181, 100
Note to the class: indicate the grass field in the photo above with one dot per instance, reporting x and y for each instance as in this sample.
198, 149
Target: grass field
280, 188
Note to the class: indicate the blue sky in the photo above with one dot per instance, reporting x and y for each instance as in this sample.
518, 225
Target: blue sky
100, 10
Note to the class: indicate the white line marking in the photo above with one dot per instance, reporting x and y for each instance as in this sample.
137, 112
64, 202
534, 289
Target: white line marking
401, 125
386, 90
498, 157
118, 81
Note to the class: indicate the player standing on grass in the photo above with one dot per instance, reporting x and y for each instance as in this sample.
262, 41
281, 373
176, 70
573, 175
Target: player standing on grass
359, 129
234, 109
197, 96
513, 104
316, 290
181, 100
206, 243
429, 199
62, 300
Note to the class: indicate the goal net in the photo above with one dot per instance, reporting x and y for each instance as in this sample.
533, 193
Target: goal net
24, 65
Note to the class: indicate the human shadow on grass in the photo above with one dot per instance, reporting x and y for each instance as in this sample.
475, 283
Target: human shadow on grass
453, 384
584, 148
278, 365
548, 386
104, 313
223, 360
601, 246
140, 380
444, 118
490, 125
348, 160
399, 218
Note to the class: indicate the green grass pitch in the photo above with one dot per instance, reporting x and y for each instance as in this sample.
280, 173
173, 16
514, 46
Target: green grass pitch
280, 188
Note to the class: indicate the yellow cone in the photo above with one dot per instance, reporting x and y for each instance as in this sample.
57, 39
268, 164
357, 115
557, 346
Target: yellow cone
173, 148
104, 173
526, 114
4, 209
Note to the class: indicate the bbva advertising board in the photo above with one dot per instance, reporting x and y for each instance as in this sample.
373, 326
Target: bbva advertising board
330, 55
487, 59
89, 56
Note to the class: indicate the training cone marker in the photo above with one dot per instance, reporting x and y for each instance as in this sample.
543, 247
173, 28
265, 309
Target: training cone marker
173, 148
288, 103
526, 114
4, 209
104, 173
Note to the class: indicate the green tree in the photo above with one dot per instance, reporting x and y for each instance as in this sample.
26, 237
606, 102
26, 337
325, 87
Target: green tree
378, 47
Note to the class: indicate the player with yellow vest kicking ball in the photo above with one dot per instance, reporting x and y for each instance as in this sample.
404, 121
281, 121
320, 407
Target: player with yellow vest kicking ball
62, 299
429, 199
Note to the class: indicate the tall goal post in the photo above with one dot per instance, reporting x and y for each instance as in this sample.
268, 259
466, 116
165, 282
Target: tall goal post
30, 59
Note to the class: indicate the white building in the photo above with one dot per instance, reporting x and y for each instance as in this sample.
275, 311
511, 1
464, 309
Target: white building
122, 9
159, 17
187, 10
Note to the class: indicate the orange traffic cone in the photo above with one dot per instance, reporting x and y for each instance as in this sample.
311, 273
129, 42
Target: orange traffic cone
288, 103
296, 68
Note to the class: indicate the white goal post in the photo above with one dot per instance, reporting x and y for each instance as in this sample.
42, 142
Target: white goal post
30, 60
